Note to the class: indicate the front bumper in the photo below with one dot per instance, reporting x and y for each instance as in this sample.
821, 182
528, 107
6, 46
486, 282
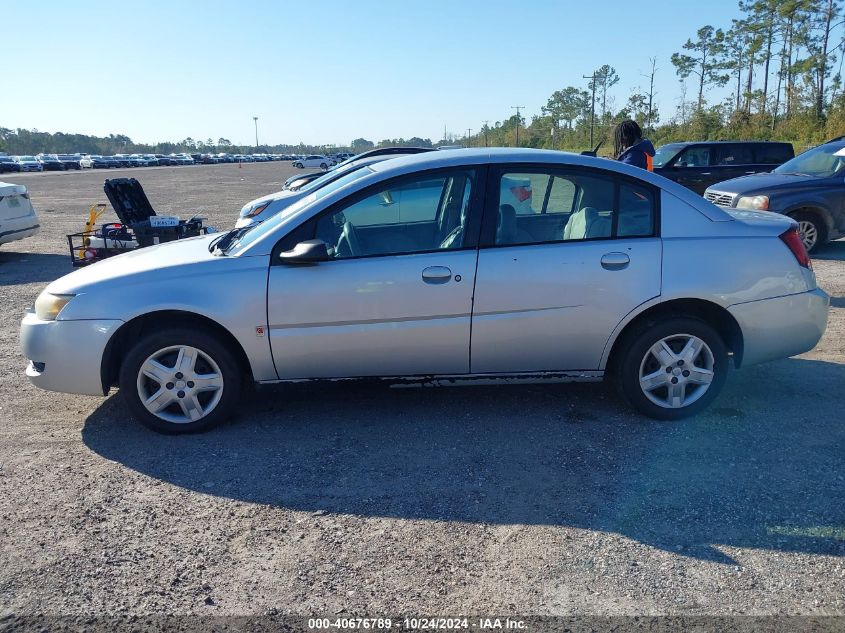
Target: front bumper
66, 356
781, 327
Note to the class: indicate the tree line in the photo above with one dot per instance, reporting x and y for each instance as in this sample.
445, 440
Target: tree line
782, 60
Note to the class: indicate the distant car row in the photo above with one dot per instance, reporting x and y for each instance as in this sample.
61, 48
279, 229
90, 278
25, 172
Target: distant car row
63, 162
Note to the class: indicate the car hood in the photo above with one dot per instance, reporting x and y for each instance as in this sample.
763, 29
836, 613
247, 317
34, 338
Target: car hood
762, 182
279, 195
170, 259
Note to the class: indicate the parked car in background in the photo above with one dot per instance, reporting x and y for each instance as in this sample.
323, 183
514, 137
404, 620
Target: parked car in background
70, 161
699, 165
50, 162
17, 216
810, 189
298, 180
100, 162
29, 163
9, 164
314, 160
310, 184
418, 270
182, 159
86, 162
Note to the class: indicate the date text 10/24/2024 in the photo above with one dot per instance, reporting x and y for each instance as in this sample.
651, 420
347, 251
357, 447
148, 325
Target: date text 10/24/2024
416, 624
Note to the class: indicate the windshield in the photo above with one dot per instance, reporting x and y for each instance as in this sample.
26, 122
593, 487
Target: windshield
323, 180
260, 230
27, 158
665, 153
822, 161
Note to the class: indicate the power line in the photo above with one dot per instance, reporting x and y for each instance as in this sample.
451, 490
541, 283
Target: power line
518, 119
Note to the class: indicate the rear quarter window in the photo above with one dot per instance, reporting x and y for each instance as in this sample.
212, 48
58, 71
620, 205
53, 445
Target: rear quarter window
773, 154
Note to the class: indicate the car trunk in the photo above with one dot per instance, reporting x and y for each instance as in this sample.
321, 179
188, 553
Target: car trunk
14, 203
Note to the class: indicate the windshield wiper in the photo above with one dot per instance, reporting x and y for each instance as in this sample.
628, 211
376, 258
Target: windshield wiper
222, 243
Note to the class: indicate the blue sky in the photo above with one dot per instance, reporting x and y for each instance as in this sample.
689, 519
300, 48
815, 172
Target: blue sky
324, 72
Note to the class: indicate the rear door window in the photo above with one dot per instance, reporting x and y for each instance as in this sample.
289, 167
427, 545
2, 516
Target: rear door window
731, 154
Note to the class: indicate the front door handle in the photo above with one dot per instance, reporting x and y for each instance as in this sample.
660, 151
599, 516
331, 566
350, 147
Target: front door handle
436, 275
615, 261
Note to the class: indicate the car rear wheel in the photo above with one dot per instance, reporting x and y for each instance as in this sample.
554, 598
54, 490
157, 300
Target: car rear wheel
323, 166
672, 369
179, 380
811, 230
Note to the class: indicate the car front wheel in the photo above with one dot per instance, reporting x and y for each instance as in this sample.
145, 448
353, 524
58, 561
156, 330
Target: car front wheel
179, 380
672, 369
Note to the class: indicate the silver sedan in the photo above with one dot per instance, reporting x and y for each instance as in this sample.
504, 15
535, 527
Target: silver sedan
455, 267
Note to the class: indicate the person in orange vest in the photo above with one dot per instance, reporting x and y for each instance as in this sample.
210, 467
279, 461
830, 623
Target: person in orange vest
630, 147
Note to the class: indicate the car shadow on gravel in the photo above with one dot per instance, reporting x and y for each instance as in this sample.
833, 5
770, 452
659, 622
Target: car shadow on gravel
763, 468
21, 267
832, 251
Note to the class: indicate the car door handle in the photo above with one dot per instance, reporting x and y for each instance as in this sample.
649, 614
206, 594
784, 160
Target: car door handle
436, 275
615, 261
705, 173
750, 172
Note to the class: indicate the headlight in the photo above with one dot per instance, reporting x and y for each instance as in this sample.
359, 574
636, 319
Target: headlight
760, 203
251, 212
47, 306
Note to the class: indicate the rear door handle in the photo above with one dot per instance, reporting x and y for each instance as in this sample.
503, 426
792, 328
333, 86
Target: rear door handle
615, 261
436, 275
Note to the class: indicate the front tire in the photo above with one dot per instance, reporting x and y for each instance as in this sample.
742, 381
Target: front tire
323, 166
180, 380
672, 369
812, 231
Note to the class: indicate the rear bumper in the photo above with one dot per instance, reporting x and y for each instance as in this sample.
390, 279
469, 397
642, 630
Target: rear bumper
66, 356
19, 228
781, 327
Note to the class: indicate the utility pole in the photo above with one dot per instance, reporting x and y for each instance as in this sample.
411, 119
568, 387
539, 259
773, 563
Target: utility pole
486, 127
518, 119
255, 118
592, 79
469, 137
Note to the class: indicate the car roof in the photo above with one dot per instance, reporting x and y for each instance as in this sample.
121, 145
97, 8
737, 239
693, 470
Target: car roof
688, 143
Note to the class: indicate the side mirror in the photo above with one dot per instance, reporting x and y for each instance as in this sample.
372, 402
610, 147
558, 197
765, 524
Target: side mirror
307, 252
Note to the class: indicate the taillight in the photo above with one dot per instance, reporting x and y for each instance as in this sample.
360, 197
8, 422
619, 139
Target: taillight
793, 242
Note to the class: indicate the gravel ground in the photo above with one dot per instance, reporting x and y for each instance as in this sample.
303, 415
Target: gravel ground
520, 500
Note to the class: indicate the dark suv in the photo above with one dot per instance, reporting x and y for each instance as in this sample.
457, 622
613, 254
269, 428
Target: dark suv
699, 165
810, 188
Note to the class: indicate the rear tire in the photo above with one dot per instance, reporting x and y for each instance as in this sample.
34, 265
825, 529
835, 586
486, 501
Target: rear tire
180, 380
672, 369
812, 230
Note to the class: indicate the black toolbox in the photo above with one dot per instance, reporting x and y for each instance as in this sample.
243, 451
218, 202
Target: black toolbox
134, 210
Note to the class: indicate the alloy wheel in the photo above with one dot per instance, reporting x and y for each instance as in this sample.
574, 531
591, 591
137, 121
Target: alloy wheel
676, 371
180, 384
809, 233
